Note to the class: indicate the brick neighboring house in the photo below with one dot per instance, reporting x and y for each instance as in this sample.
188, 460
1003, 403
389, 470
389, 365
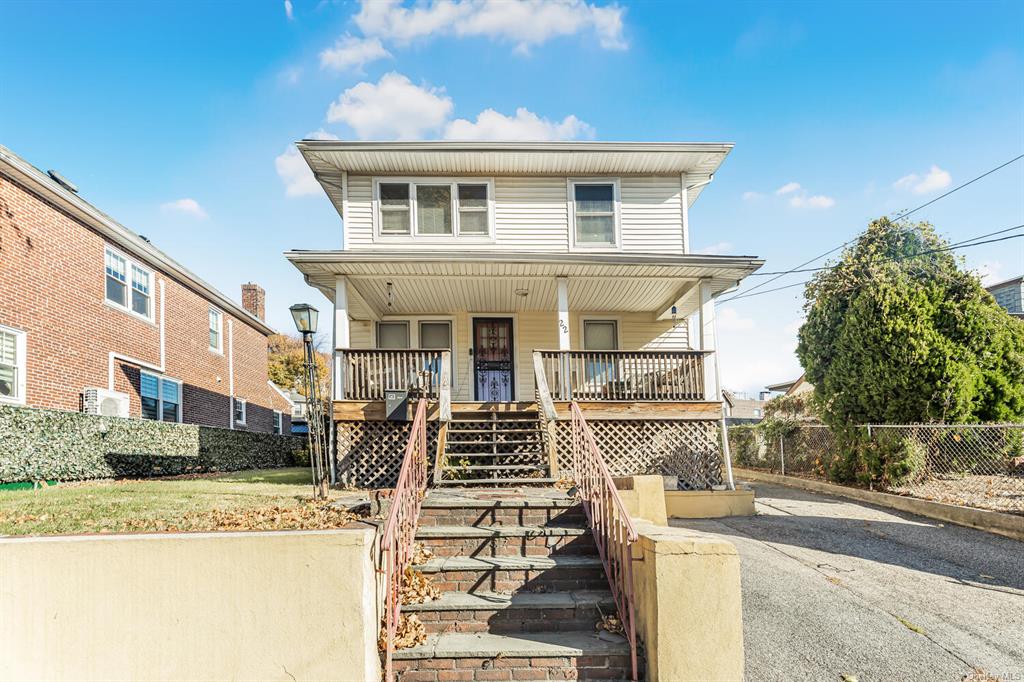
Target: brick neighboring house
86, 304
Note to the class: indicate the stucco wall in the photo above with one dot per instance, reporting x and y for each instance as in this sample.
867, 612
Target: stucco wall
210, 606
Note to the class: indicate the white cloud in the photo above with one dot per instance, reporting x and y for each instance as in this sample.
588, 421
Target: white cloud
525, 125
815, 201
524, 22
752, 196
715, 249
990, 272
187, 206
788, 188
392, 108
934, 180
729, 320
352, 52
289, 10
294, 171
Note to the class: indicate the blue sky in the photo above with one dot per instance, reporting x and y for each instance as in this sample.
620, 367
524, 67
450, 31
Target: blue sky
176, 118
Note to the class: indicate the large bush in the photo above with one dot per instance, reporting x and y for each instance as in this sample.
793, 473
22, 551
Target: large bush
897, 332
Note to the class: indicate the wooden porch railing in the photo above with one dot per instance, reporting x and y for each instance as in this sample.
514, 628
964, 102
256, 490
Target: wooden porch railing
642, 375
365, 374
610, 523
399, 534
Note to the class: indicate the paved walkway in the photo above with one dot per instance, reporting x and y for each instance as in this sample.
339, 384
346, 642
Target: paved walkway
839, 590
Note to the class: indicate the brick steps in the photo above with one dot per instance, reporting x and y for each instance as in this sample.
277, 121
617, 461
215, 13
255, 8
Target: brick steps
516, 573
473, 541
517, 613
534, 656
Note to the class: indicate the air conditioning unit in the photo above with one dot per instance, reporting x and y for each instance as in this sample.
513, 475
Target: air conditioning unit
105, 402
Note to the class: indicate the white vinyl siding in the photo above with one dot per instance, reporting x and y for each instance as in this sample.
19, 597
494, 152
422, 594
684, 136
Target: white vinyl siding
531, 214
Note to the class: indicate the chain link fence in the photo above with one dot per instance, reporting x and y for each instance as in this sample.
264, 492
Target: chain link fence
975, 465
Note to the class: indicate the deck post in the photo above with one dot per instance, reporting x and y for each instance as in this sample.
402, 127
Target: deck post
341, 335
706, 336
564, 342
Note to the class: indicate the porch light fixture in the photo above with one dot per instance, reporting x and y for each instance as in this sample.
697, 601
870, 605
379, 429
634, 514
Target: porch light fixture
522, 293
305, 317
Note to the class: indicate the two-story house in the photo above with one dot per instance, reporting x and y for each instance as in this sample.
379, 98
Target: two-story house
503, 281
1010, 295
94, 317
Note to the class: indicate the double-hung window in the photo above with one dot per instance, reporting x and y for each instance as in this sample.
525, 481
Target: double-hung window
238, 410
12, 365
216, 326
128, 285
437, 336
434, 208
278, 418
601, 335
595, 212
161, 398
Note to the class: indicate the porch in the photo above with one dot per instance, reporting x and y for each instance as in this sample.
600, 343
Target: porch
488, 338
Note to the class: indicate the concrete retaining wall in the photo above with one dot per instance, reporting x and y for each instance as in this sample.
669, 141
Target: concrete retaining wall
285, 605
708, 504
1010, 525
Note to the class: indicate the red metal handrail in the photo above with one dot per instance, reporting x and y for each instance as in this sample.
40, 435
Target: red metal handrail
610, 523
400, 527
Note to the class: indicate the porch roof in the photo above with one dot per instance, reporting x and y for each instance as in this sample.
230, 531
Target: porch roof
437, 282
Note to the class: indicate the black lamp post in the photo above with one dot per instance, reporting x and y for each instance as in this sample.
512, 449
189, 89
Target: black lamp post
306, 317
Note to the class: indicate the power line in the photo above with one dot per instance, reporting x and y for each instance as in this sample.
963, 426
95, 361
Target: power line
921, 253
962, 245
901, 216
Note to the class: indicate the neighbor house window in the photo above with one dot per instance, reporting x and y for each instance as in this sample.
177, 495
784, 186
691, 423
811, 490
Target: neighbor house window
277, 422
216, 325
239, 410
161, 397
12, 365
594, 212
128, 284
393, 335
434, 208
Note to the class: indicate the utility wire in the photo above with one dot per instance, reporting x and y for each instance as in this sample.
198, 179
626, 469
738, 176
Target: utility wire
901, 216
952, 247
966, 242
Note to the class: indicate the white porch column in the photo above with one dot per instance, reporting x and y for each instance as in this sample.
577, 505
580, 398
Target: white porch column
563, 313
706, 338
564, 343
342, 335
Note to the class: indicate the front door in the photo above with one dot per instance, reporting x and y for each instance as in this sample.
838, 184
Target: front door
492, 359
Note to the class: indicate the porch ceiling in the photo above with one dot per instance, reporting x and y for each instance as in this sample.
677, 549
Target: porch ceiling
424, 282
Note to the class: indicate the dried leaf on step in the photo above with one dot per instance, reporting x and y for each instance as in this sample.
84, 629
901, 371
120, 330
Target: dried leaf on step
409, 633
611, 624
421, 554
417, 588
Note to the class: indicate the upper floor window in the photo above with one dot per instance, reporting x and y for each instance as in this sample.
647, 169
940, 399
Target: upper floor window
216, 325
12, 365
128, 284
434, 208
595, 212
161, 397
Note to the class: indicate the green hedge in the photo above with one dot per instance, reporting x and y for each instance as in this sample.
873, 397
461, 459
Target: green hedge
56, 445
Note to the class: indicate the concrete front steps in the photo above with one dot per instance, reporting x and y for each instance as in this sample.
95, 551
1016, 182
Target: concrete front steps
522, 591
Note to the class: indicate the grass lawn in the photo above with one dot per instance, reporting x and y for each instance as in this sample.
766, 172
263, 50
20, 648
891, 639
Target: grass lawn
268, 499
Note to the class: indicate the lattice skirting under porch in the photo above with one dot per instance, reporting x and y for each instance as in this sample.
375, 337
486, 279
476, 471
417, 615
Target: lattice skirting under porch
370, 452
690, 450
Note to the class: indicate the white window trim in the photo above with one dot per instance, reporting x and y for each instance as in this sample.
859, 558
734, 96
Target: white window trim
277, 426
570, 192
220, 331
127, 308
600, 318
245, 410
20, 369
160, 380
414, 236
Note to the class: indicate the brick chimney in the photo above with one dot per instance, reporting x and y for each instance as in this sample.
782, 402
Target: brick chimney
254, 299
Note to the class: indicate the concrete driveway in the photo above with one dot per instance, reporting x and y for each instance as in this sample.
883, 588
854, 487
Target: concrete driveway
839, 590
